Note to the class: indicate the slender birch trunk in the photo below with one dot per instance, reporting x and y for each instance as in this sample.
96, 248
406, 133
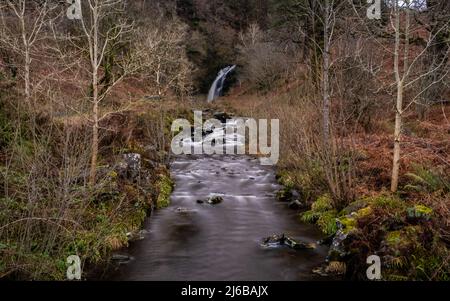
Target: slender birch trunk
326, 76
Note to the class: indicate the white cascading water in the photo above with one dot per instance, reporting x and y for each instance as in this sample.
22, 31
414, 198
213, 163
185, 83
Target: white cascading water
217, 86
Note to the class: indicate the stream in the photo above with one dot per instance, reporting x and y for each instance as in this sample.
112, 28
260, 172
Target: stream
197, 242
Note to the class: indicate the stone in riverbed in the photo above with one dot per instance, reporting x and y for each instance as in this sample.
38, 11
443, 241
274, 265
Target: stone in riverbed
137, 235
282, 239
182, 210
120, 258
274, 240
215, 200
296, 205
299, 245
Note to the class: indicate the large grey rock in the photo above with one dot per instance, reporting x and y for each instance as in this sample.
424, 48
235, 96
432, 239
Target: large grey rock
137, 235
130, 167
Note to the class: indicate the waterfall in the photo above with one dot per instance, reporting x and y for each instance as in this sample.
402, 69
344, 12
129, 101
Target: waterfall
217, 86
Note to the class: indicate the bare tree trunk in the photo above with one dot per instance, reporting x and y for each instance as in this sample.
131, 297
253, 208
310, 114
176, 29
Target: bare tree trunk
400, 91
95, 140
95, 99
158, 79
26, 49
98, 43
397, 138
27, 81
326, 76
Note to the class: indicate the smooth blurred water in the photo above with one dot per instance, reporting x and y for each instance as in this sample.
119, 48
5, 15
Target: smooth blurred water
191, 241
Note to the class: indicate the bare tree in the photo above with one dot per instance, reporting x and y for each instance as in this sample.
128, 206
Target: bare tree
409, 75
22, 24
102, 26
161, 47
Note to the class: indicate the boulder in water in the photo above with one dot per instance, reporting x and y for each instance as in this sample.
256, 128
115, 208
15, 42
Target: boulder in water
137, 235
215, 200
297, 205
274, 240
287, 241
299, 245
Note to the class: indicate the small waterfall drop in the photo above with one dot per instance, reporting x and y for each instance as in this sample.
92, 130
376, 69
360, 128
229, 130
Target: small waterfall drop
217, 86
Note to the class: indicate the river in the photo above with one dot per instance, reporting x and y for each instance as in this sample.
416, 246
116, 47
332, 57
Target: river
198, 241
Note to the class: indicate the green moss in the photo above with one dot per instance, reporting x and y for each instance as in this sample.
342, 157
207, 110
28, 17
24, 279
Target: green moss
165, 188
349, 223
423, 209
364, 212
414, 258
323, 203
393, 238
407, 238
385, 201
355, 206
286, 179
323, 214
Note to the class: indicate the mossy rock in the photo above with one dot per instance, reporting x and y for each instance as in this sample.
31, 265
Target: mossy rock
403, 241
284, 195
386, 202
364, 212
354, 207
348, 223
285, 179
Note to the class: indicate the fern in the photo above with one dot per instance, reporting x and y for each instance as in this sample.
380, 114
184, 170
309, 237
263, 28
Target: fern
310, 217
327, 222
427, 180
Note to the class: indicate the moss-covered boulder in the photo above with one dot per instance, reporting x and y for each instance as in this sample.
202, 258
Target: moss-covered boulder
347, 231
402, 240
